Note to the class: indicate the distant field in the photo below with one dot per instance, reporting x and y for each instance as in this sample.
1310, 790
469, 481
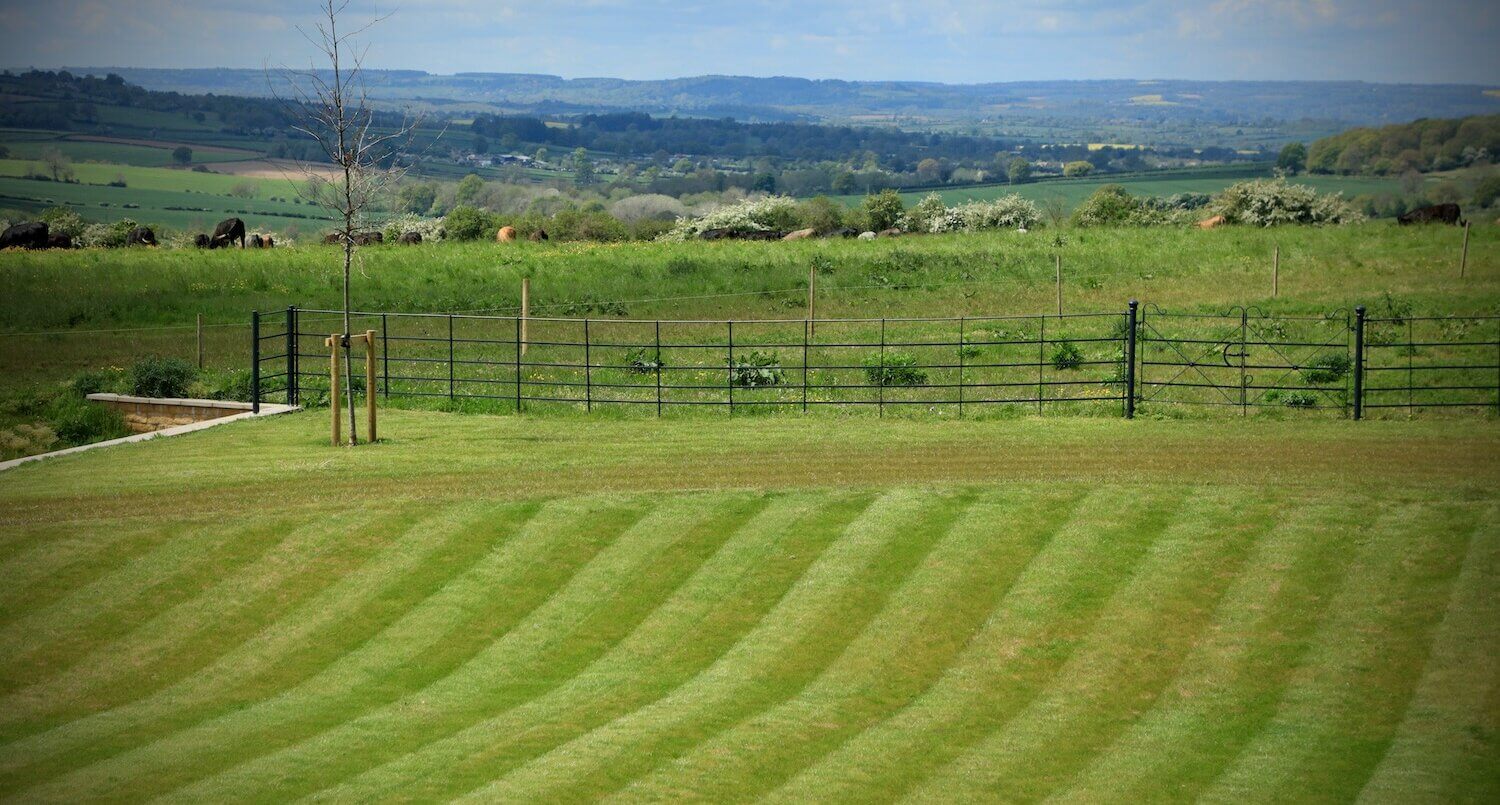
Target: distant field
136, 153
195, 211
171, 179
524, 609
1072, 191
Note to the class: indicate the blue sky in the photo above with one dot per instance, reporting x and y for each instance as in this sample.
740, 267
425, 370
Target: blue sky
934, 40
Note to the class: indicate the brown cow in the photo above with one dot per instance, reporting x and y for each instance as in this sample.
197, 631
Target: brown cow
1212, 223
537, 236
507, 234
1437, 213
800, 234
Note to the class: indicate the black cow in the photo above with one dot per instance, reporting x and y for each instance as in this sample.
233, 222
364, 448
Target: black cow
25, 235
141, 236
410, 238
1437, 213
332, 238
368, 238
59, 242
538, 236
256, 242
201, 241
228, 231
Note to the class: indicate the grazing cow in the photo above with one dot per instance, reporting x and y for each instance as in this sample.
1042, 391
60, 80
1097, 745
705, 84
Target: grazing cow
846, 232
801, 234
410, 238
25, 235
867, 235
889, 233
201, 241
256, 242
59, 242
228, 231
1437, 213
332, 238
141, 236
368, 238
506, 234
1212, 223
268, 241
537, 236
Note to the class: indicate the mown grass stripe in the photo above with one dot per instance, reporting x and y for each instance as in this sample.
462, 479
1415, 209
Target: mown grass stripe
221, 688
586, 615
923, 626
1032, 631
363, 602
50, 640
1342, 706
52, 567
1133, 651
192, 635
827, 609
713, 611
1229, 686
1447, 748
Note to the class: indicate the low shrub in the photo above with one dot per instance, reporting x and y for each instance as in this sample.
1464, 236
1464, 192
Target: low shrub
1067, 356
162, 377
432, 230
757, 369
1329, 367
95, 381
77, 421
1272, 202
770, 214
1112, 205
643, 361
468, 223
894, 369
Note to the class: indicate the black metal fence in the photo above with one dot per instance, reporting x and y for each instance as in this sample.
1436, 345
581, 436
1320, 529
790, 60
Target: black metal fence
1242, 360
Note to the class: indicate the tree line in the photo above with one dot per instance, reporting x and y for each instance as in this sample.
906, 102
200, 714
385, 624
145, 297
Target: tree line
1421, 146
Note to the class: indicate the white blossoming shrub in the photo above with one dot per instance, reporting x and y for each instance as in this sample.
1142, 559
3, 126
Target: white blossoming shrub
1273, 202
431, 229
925, 216
772, 213
1006, 212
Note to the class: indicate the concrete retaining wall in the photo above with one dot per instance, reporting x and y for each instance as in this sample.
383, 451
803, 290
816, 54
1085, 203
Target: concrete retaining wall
147, 414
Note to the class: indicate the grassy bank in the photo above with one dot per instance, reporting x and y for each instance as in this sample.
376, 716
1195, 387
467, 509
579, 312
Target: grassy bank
511, 608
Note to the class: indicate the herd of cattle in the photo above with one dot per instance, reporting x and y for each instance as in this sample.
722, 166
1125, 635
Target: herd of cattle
231, 231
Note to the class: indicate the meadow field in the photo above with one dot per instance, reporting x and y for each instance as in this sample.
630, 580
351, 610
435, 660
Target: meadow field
67, 311
518, 608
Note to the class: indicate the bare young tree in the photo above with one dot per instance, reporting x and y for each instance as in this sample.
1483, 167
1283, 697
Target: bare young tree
331, 106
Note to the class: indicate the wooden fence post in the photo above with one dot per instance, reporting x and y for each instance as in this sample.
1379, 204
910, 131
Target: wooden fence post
525, 311
1276, 272
335, 397
370, 383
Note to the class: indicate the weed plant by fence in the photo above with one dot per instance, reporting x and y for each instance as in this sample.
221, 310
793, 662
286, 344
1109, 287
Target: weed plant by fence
1117, 363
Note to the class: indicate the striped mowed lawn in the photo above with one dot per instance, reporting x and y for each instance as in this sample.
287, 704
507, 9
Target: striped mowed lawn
790, 609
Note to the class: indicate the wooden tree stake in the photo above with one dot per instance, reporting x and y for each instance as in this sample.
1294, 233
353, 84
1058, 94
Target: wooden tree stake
335, 399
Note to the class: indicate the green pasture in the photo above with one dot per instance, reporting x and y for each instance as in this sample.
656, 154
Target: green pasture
67, 311
167, 179
111, 156
179, 209
515, 608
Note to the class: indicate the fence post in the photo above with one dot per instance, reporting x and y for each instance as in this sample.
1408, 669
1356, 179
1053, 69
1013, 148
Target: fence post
1276, 272
292, 345
961, 367
658, 367
385, 358
731, 367
881, 388
1463, 262
1059, 285
518, 365
255, 361
588, 370
806, 332
1359, 362
370, 383
525, 311
1130, 359
1244, 348
450, 357
335, 393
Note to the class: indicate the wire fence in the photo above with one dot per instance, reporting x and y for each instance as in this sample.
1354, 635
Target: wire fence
1242, 361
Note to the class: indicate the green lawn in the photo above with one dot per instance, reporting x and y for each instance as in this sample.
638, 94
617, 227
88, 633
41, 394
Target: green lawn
182, 210
506, 608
